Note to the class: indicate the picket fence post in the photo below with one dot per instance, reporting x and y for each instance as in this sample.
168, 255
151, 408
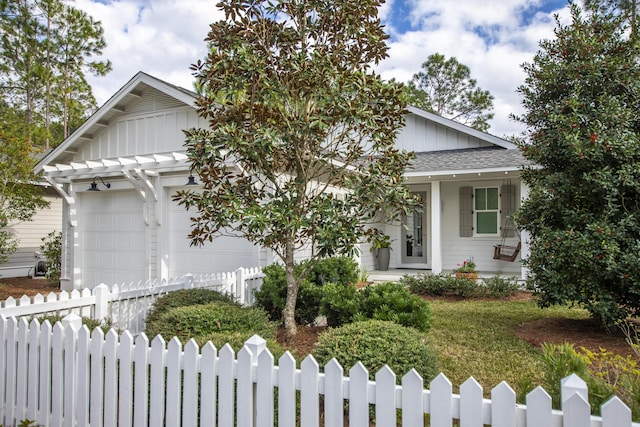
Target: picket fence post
188, 281
101, 310
240, 285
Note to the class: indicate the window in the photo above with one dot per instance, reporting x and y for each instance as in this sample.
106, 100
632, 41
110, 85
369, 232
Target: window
486, 210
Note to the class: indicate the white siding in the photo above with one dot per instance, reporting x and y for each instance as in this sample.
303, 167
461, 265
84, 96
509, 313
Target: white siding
159, 132
225, 253
456, 249
30, 234
421, 135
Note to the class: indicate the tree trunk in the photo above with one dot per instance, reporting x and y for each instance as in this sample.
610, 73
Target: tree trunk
292, 293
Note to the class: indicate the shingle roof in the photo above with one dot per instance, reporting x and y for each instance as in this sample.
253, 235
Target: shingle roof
467, 159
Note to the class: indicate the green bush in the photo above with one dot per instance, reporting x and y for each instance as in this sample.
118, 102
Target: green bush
90, 323
465, 287
500, 287
445, 284
184, 298
339, 270
272, 295
392, 301
51, 248
386, 301
428, 284
340, 304
217, 317
376, 343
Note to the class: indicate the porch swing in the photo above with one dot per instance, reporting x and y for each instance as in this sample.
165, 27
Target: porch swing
502, 251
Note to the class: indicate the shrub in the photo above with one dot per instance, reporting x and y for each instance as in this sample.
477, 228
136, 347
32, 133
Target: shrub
90, 323
183, 298
51, 248
273, 293
500, 287
376, 343
272, 296
465, 287
392, 301
218, 317
340, 304
339, 270
428, 284
386, 301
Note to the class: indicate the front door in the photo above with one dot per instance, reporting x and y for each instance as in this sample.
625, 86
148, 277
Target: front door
414, 233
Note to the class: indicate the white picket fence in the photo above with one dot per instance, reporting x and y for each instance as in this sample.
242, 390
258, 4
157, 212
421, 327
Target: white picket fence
69, 376
127, 305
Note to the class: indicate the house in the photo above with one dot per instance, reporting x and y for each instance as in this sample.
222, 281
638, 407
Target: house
118, 171
25, 261
469, 183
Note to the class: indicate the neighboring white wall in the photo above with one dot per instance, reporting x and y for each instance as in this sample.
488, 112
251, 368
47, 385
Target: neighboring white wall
30, 234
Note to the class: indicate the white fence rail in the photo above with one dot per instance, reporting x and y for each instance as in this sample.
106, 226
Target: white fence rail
69, 376
127, 305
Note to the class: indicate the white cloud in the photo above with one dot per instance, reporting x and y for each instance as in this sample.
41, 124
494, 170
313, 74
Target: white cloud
163, 37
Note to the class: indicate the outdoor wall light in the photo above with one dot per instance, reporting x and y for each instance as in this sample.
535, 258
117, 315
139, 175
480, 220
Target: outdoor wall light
94, 184
192, 180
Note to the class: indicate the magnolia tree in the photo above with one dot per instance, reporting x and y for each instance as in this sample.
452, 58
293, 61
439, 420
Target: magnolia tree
299, 153
582, 106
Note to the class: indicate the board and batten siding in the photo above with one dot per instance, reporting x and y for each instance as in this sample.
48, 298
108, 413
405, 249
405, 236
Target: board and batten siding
456, 249
152, 125
421, 135
30, 234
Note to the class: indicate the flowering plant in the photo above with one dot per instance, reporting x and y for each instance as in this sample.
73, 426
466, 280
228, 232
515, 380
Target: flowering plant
467, 266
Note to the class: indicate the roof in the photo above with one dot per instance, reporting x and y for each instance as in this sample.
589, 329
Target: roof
472, 159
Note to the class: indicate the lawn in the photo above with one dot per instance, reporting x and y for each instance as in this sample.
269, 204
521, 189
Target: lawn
477, 338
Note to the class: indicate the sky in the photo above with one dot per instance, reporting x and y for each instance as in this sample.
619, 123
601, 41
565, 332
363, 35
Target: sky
492, 37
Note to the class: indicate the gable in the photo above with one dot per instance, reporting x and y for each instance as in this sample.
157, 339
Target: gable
426, 132
146, 116
155, 131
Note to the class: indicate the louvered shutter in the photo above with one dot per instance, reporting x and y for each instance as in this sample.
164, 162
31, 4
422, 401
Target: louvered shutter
466, 211
507, 209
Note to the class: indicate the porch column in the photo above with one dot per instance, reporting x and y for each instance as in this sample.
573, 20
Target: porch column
525, 249
436, 238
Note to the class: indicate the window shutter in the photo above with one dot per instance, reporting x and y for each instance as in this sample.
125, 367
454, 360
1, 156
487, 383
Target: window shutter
466, 211
507, 209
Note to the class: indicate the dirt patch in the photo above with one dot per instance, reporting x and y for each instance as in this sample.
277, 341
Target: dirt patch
585, 333
16, 287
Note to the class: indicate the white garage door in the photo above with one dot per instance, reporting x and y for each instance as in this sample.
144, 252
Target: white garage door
112, 238
222, 255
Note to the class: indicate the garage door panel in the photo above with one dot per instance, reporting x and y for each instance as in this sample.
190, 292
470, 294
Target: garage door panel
113, 248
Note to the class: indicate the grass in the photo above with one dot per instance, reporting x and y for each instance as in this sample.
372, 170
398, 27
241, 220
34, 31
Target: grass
477, 338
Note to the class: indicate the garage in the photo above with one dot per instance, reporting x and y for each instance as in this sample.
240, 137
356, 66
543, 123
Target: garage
222, 255
112, 238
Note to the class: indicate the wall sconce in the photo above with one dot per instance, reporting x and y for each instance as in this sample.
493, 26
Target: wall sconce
192, 180
94, 184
